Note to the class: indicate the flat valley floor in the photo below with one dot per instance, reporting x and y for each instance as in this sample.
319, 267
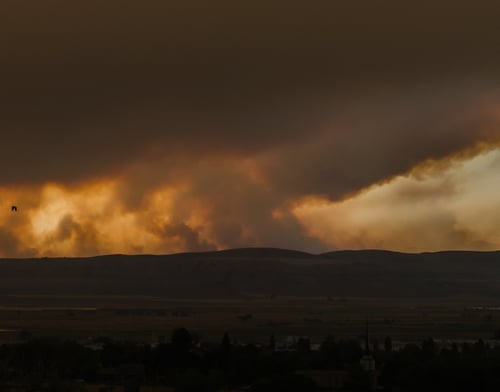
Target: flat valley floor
152, 319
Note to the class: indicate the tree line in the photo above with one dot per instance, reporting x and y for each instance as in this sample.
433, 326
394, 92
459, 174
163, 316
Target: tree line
185, 364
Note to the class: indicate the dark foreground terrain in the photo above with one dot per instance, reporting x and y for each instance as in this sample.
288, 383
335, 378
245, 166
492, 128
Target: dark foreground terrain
186, 364
252, 320
253, 293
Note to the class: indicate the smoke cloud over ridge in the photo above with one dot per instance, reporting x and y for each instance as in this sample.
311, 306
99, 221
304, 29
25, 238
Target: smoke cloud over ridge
186, 126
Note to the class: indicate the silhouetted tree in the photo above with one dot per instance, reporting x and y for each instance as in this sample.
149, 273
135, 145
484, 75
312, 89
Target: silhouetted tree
272, 343
225, 351
226, 343
429, 348
388, 345
181, 341
303, 345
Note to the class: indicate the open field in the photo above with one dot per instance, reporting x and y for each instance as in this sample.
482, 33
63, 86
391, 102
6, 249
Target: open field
253, 293
147, 319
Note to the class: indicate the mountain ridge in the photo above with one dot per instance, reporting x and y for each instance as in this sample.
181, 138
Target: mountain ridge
267, 252
264, 272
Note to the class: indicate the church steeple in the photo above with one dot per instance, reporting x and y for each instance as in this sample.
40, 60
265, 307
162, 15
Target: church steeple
367, 361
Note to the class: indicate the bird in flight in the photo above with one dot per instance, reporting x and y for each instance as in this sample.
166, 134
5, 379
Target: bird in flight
13, 208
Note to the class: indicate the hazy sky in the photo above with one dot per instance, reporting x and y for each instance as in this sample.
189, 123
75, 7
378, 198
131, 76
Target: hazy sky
164, 126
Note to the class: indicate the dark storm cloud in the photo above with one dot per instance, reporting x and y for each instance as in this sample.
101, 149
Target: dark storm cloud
373, 140
243, 106
89, 86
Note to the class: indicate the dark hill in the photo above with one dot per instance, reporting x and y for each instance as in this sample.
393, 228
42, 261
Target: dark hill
258, 272
339, 254
260, 253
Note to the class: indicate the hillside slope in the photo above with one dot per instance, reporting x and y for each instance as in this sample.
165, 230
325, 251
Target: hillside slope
258, 272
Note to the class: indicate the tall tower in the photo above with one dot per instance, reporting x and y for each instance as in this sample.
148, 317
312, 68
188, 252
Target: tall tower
367, 361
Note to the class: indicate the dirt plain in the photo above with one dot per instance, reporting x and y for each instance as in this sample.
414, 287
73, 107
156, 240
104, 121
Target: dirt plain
252, 294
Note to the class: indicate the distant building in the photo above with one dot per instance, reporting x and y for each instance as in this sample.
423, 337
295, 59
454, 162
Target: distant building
368, 364
296, 343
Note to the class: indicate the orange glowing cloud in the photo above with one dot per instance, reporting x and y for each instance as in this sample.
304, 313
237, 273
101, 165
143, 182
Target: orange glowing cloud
449, 203
55, 220
131, 133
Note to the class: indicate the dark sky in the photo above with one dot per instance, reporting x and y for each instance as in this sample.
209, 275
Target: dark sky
244, 108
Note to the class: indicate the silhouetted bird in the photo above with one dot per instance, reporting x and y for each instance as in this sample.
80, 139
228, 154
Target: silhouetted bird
13, 209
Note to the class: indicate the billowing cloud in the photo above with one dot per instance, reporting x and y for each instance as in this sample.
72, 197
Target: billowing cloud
430, 208
168, 127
